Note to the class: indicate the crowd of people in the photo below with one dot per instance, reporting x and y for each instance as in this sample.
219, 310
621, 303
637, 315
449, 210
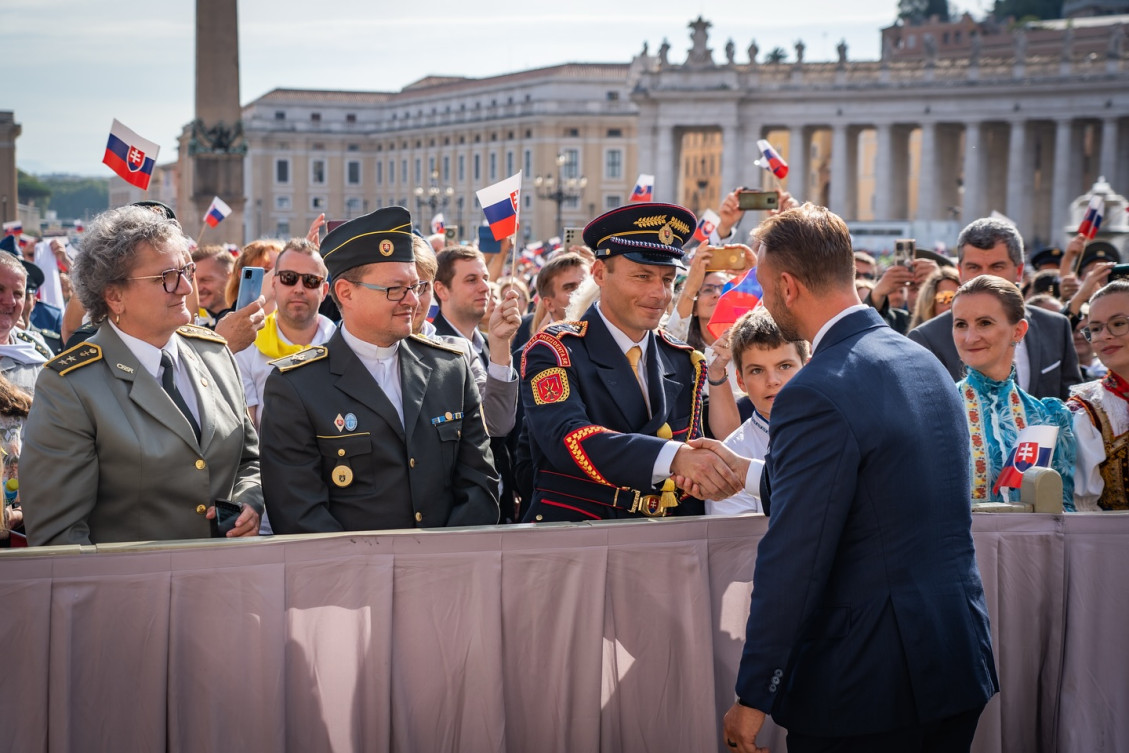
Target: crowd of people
334, 401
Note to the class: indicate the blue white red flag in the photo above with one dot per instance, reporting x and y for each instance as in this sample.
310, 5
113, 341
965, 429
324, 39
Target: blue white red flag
79, 226
26, 240
217, 212
739, 296
644, 189
1092, 220
535, 253
15, 227
130, 156
500, 203
772, 161
1034, 446
706, 225
438, 224
555, 243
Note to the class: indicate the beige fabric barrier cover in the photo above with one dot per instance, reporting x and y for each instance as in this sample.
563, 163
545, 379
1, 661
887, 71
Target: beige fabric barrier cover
608, 637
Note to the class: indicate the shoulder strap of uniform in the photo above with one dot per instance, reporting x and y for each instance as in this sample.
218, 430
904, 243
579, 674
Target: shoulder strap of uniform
558, 329
301, 358
200, 333
75, 358
436, 344
673, 341
39, 347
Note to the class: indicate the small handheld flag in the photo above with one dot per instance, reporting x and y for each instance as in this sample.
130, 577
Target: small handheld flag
1034, 446
500, 204
438, 224
130, 156
644, 189
78, 226
217, 212
772, 161
15, 227
1092, 220
739, 297
706, 225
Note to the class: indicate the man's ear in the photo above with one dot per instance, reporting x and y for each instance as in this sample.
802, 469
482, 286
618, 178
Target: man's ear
441, 291
789, 288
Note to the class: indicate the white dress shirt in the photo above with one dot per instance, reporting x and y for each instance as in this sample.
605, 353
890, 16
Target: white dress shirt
383, 364
749, 440
150, 359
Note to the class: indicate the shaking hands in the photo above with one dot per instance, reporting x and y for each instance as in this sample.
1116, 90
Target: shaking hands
707, 469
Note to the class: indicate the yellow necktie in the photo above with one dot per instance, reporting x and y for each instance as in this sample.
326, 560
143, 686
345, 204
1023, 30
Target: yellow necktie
634, 353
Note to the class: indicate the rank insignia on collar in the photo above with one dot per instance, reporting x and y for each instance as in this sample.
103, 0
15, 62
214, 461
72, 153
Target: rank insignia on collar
550, 386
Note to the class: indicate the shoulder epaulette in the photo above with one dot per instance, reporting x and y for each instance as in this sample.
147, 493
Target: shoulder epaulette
437, 344
674, 341
70, 359
200, 333
301, 358
39, 347
578, 329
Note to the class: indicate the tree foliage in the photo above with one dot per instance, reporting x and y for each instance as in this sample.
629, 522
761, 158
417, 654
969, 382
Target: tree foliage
1023, 10
71, 196
31, 189
916, 11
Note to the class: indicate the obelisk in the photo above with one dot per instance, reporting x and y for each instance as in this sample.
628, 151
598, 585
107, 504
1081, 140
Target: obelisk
213, 146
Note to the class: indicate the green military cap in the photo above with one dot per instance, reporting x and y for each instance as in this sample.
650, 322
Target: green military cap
383, 235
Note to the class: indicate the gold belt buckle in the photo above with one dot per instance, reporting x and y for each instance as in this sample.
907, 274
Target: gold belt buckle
651, 505
634, 502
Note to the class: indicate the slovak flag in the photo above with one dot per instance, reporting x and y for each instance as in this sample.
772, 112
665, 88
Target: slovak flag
706, 225
740, 296
130, 156
15, 227
438, 224
217, 212
534, 252
644, 189
555, 243
772, 161
1034, 446
1092, 220
500, 204
25, 241
79, 227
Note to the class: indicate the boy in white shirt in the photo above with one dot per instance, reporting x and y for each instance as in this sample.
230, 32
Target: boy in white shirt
765, 362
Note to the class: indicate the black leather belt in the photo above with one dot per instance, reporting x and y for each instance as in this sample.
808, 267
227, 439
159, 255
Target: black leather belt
620, 497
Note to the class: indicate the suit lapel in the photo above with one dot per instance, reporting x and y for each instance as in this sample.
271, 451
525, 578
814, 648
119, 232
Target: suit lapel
614, 371
355, 381
205, 396
414, 374
144, 390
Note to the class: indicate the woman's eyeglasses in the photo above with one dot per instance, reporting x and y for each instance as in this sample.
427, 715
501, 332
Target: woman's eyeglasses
290, 279
1117, 327
710, 289
170, 278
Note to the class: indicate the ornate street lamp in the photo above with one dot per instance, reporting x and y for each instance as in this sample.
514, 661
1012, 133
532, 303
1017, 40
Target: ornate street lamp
433, 196
554, 188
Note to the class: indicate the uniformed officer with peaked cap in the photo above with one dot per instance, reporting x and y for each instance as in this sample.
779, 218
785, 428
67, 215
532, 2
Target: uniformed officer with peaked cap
611, 399
378, 428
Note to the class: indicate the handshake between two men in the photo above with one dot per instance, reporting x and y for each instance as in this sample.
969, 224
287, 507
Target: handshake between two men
707, 469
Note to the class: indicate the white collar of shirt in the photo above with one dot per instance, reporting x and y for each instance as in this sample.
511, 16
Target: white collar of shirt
149, 356
624, 342
831, 323
367, 351
428, 329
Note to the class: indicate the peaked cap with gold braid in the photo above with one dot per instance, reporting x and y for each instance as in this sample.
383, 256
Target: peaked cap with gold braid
383, 235
645, 232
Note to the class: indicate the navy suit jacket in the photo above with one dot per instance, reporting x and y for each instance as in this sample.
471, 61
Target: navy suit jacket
868, 613
586, 418
1050, 349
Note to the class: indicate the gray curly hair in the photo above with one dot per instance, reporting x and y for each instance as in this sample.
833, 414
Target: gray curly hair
109, 251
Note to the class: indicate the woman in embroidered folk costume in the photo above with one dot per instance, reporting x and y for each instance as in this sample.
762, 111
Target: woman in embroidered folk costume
988, 324
140, 432
1101, 407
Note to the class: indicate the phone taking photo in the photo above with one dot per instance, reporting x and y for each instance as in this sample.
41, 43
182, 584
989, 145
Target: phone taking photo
250, 286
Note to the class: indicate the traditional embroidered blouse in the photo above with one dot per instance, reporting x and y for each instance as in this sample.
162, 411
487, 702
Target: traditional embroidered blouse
996, 411
1101, 426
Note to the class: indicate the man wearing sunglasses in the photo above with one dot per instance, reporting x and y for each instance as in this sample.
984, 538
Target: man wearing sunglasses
300, 286
378, 428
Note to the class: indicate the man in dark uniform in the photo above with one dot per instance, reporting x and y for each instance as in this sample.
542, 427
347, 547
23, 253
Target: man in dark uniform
378, 428
609, 401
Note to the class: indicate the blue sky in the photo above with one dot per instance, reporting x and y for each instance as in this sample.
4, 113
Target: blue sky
72, 66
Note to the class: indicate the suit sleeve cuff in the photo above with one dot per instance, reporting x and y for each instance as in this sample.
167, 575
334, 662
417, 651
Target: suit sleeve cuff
502, 373
661, 470
753, 477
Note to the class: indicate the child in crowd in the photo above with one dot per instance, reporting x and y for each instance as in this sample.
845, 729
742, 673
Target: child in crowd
765, 362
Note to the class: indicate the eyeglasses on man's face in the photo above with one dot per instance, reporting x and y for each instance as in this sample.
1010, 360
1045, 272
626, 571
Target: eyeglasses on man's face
290, 278
397, 293
170, 278
1116, 326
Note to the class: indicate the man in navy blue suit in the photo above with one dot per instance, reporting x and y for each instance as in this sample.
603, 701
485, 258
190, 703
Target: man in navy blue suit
610, 403
868, 629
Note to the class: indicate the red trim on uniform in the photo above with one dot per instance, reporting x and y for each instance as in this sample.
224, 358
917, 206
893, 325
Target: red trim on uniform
570, 507
559, 350
572, 442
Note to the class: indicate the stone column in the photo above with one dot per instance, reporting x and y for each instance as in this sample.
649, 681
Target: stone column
798, 162
666, 165
1061, 191
973, 175
841, 183
733, 160
1107, 163
927, 179
1018, 178
883, 171
9, 181
899, 172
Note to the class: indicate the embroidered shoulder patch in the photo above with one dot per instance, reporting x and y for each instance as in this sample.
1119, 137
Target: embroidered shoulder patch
200, 333
550, 386
301, 358
75, 358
